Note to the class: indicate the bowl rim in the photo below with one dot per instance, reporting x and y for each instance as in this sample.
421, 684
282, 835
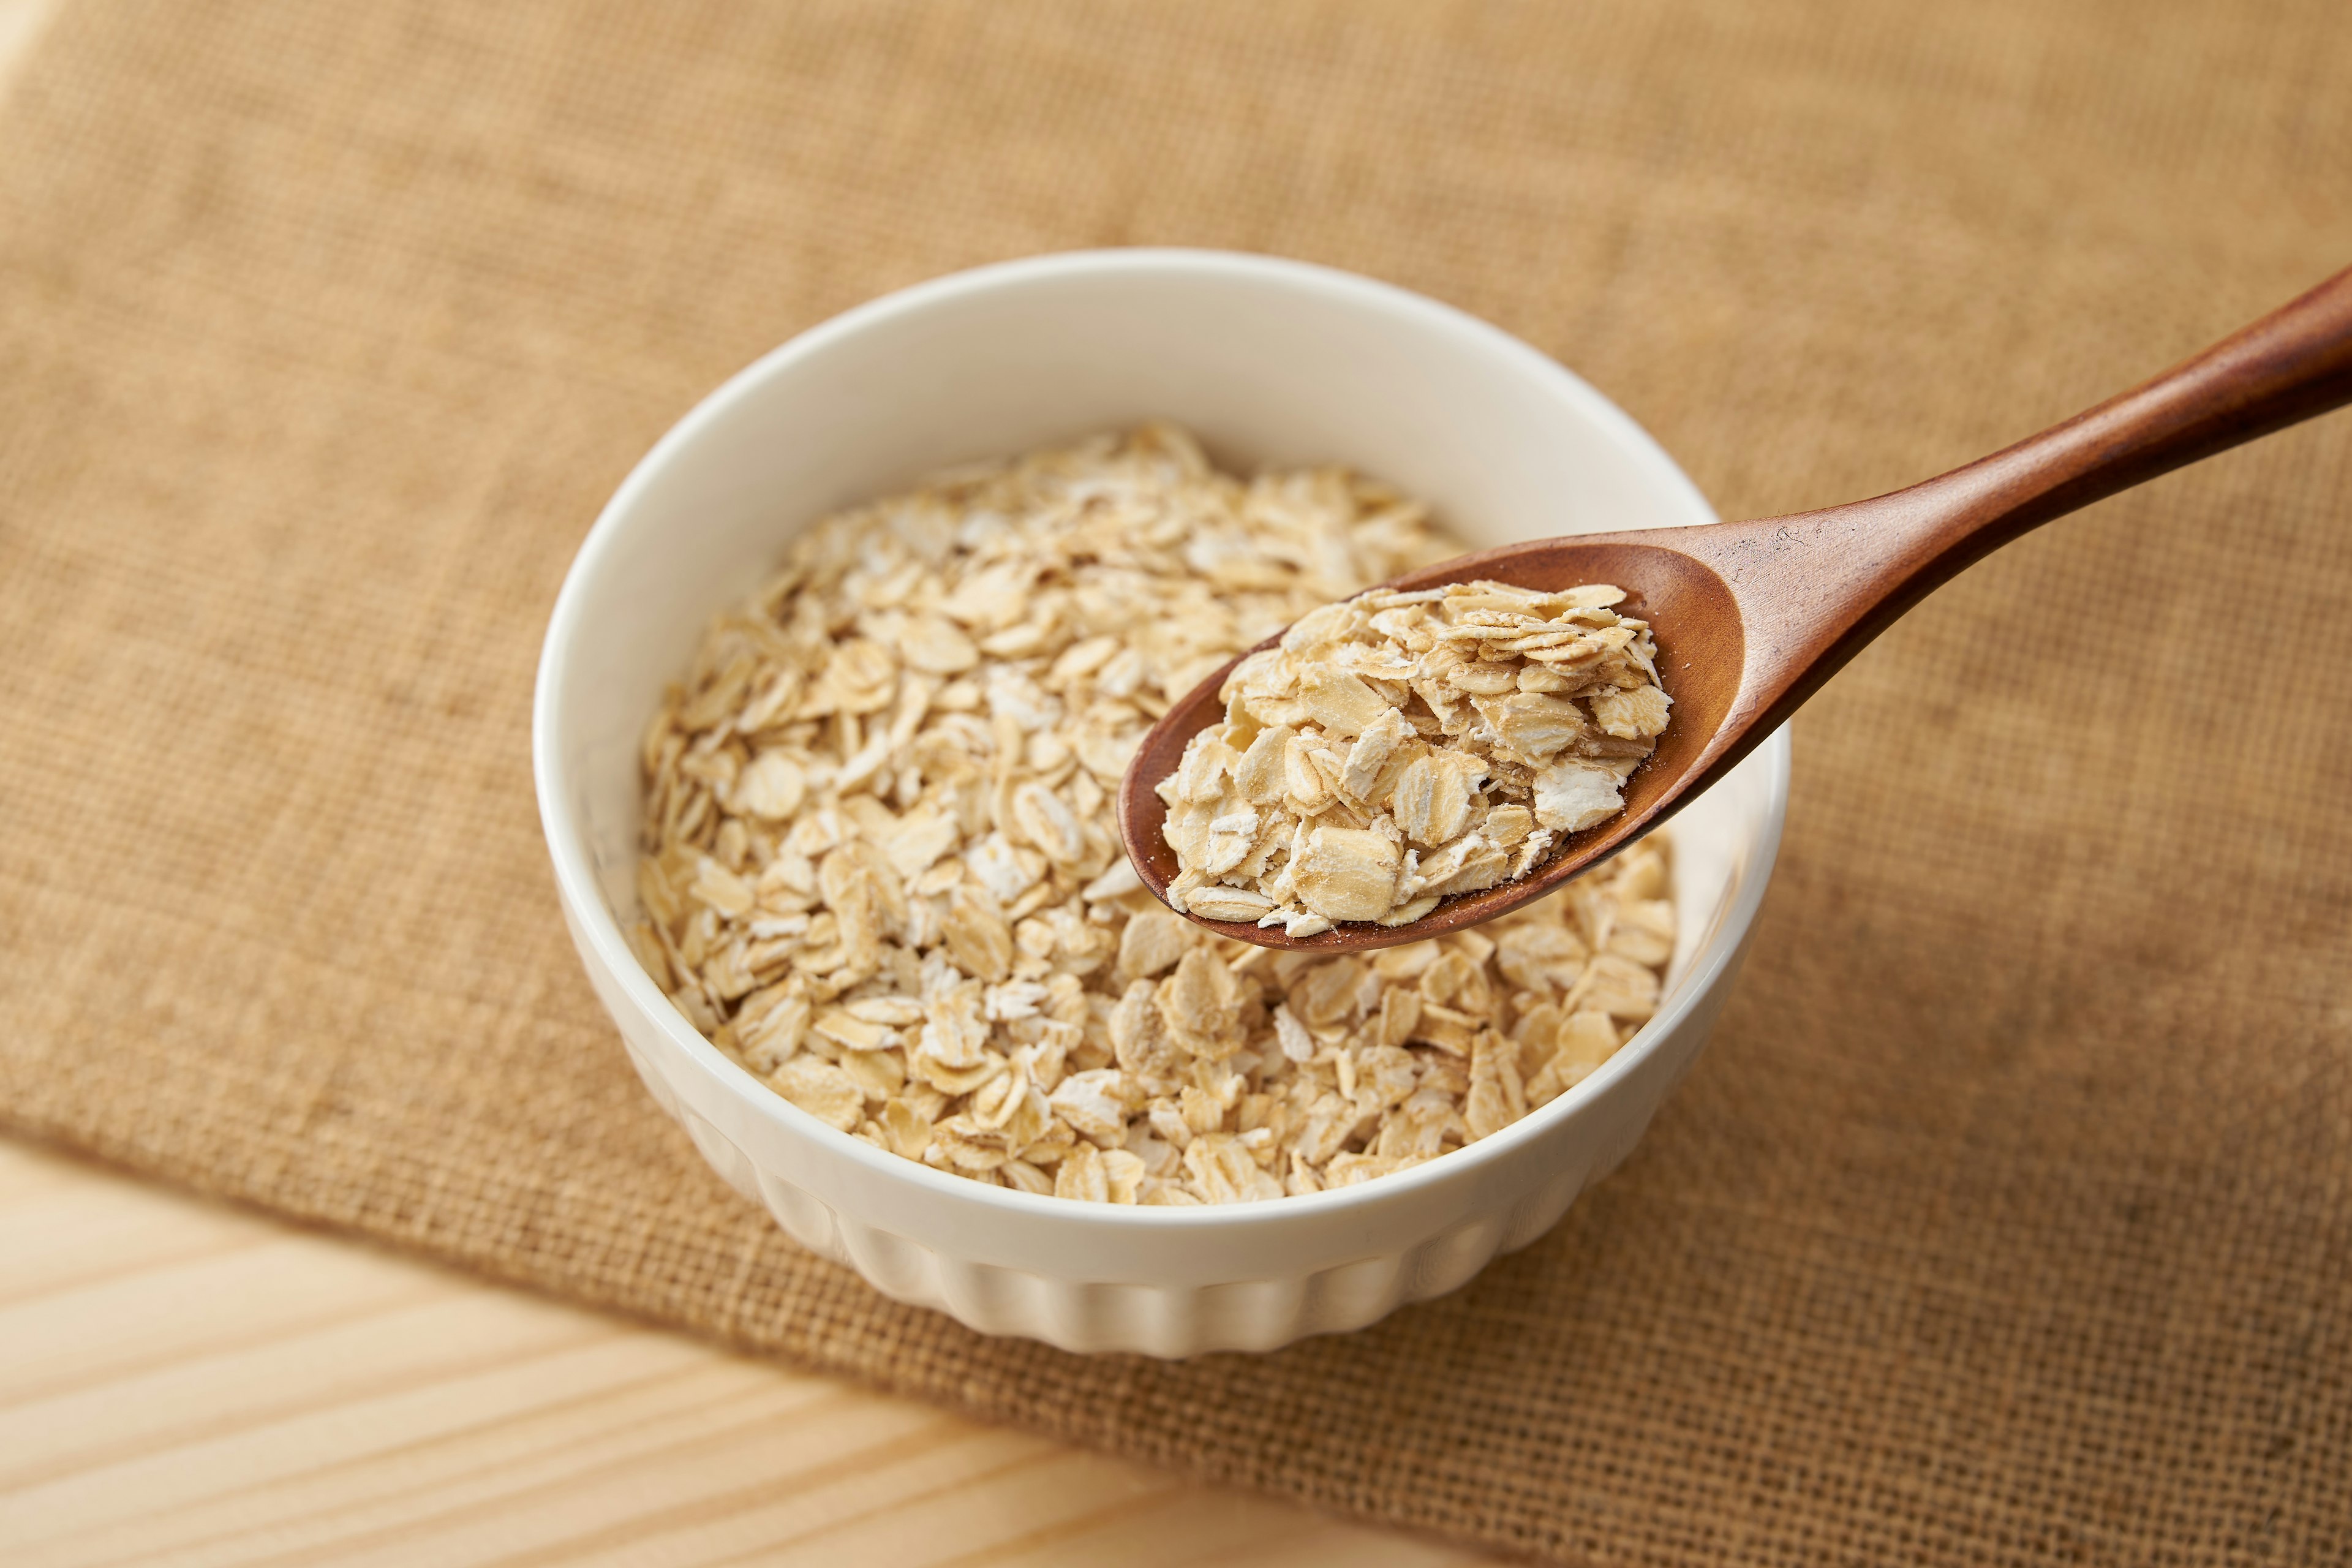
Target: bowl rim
577, 885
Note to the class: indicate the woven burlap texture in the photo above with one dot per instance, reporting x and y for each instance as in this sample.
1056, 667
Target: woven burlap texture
2007, 1219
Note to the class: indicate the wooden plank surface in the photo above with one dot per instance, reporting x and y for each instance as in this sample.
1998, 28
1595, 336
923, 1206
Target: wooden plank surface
185, 1383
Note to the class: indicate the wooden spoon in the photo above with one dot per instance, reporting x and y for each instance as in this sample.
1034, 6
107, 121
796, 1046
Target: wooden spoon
1751, 617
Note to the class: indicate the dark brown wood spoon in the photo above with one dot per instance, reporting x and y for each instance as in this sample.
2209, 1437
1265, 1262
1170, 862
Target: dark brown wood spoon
1751, 617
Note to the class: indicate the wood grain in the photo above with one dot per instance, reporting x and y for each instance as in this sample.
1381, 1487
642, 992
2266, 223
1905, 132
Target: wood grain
183, 1383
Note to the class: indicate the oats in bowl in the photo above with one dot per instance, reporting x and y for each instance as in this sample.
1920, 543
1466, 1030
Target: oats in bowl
1401, 747
880, 867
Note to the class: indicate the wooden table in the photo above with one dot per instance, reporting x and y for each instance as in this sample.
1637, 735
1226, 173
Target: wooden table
182, 1383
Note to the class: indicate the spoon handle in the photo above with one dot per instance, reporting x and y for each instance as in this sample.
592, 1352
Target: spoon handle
1817, 586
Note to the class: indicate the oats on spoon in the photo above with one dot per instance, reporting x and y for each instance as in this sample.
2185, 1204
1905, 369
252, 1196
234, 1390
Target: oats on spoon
1399, 747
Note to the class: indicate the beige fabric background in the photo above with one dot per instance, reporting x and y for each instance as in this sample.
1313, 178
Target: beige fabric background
2007, 1220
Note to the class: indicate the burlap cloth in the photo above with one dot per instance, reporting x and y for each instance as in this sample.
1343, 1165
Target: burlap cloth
2007, 1220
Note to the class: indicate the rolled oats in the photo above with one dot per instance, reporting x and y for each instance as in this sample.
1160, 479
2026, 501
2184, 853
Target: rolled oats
1401, 747
882, 870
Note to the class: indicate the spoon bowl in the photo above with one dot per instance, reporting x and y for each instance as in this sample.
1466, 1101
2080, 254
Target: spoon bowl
1751, 617
1664, 585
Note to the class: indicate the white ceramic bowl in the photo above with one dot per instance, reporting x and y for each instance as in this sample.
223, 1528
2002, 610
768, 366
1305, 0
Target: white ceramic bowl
1269, 362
